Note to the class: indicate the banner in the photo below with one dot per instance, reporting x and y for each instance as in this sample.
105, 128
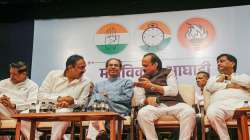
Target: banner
186, 41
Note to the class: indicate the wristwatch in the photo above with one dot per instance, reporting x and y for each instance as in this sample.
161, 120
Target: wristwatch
152, 88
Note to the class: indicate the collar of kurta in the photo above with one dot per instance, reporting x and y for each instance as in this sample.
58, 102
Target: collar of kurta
74, 81
233, 74
20, 83
113, 79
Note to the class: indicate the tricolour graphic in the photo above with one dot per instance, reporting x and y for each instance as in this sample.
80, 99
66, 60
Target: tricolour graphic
196, 33
111, 38
155, 36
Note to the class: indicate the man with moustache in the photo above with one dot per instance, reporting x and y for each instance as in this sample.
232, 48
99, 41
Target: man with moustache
157, 91
16, 94
68, 89
228, 91
201, 81
114, 91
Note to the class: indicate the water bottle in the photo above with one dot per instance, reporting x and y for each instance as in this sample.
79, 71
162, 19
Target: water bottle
102, 106
98, 107
94, 106
106, 107
246, 104
32, 108
43, 107
51, 107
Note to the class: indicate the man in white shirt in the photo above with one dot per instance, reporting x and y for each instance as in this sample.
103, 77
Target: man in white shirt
68, 89
16, 94
201, 81
228, 92
157, 90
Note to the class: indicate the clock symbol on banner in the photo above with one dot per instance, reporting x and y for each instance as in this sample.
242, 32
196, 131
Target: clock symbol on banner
153, 35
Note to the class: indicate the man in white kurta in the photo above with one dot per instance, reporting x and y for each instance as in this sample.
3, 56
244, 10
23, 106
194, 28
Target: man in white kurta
16, 94
201, 81
68, 89
164, 85
229, 91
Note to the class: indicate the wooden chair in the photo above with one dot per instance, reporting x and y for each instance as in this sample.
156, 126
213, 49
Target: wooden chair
188, 94
7, 127
231, 123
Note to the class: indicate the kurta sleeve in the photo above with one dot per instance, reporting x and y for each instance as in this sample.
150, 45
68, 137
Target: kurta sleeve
213, 86
45, 91
171, 89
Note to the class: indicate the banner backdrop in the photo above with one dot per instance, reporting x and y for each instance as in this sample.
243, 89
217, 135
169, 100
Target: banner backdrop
186, 41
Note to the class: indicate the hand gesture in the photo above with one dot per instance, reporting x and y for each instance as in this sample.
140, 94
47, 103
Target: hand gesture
221, 78
65, 101
5, 100
224, 77
143, 83
233, 85
237, 86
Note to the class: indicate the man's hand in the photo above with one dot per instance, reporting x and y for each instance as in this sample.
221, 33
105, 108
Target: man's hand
150, 101
4, 97
237, 86
233, 85
5, 100
223, 77
65, 101
143, 83
62, 104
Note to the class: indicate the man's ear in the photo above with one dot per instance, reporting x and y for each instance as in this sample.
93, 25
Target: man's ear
233, 64
25, 73
69, 67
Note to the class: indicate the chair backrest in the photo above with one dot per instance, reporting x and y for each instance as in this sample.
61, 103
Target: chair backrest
187, 92
133, 101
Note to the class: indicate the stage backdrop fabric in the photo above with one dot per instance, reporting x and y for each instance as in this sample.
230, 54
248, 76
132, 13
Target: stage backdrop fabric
186, 41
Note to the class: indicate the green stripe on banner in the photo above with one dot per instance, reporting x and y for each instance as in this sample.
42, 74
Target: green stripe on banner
111, 48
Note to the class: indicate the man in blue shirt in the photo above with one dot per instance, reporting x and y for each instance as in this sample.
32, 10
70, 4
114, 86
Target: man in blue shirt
114, 91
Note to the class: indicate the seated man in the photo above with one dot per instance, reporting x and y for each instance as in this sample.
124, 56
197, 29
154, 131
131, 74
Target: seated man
201, 80
114, 91
16, 94
228, 92
157, 90
68, 89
